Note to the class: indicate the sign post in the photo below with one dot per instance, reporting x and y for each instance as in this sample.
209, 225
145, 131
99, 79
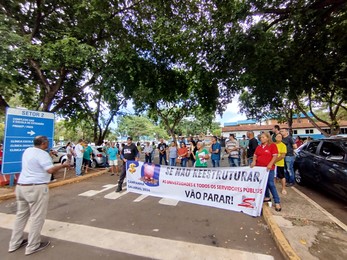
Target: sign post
21, 126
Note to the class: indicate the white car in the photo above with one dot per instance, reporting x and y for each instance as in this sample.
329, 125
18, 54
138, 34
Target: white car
60, 151
64, 159
98, 158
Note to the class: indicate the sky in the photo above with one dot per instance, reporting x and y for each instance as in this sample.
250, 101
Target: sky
231, 114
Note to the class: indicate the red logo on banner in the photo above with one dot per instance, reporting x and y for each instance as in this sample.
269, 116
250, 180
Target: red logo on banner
247, 203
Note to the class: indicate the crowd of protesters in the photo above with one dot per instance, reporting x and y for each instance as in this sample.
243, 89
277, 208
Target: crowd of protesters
274, 150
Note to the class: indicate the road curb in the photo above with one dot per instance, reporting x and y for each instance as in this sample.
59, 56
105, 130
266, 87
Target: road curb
280, 240
59, 183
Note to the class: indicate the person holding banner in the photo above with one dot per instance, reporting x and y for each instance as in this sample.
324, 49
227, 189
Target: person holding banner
129, 152
201, 155
265, 155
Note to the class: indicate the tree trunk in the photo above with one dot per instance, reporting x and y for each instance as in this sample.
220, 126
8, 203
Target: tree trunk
311, 120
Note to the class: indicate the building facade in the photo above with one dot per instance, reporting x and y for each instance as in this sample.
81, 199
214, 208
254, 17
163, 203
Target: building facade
301, 127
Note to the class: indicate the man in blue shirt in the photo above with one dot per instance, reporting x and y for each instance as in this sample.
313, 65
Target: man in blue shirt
215, 150
112, 153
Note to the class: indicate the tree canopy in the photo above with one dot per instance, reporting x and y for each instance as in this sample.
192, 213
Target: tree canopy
84, 59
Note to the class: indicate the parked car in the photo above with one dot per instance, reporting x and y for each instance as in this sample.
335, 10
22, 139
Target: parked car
98, 157
60, 151
64, 159
323, 163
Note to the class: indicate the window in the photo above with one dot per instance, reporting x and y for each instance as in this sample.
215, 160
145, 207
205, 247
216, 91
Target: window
331, 149
62, 149
312, 147
309, 131
343, 131
327, 130
295, 132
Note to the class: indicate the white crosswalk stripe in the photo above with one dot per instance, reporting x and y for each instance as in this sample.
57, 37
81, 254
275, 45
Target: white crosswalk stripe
91, 193
168, 202
116, 195
134, 244
140, 198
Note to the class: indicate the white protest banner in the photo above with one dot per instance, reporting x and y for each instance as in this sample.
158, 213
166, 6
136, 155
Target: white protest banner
239, 189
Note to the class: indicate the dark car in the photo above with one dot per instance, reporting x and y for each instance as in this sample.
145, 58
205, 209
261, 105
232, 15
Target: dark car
323, 163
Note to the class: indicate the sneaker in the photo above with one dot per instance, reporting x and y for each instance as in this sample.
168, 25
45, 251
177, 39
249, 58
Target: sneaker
112, 174
119, 188
42, 246
24, 243
54, 180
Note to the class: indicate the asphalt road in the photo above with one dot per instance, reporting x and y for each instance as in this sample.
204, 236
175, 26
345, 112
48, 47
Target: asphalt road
88, 220
335, 206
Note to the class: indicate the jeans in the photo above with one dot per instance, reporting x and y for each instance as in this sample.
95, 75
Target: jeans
79, 166
270, 187
215, 163
233, 161
148, 158
172, 161
105, 161
184, 162
289, 160
161, 157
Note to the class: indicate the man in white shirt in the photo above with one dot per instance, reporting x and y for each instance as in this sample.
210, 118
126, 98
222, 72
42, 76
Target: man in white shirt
79, 151
232, 148
32, 196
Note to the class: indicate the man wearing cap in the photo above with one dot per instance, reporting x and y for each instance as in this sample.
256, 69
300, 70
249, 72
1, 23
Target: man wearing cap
129, 152
32, 196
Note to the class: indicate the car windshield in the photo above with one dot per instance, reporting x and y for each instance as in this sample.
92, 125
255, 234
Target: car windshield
312, 146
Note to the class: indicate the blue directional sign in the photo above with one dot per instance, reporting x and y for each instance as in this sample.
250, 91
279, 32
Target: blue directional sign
21, 127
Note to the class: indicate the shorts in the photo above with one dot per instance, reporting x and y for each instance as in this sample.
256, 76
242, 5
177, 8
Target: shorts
113, 162
280, 172
86, 162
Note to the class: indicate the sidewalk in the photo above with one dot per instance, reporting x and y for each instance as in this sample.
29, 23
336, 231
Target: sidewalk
302, 230
7, 192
